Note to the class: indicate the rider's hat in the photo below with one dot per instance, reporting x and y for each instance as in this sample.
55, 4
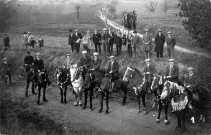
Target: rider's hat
146, 30
159, 30
171, 60
84, 52
4, 59
147, 60
95, 54
169, 32
190, 68
68, 54
112, 57
104, 29
38, 54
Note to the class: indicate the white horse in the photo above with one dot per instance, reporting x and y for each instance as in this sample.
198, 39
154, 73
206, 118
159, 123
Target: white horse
77, 83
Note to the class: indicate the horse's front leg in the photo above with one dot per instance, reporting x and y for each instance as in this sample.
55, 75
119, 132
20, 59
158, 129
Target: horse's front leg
76, 96
85, 97
101, 102
144, 103
33, 87
124, 89
90, 98
139, 103
65, 94
44, 98
80, 96
107, 97
183, 115
166, 104
38, 101
61, 93
159, 110
27, 87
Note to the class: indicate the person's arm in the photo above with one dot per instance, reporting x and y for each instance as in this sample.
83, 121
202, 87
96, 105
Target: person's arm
97, 67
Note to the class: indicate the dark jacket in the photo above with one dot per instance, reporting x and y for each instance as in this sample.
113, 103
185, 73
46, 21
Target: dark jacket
174, 73
79, 36
85, 61
135, 40
117, 40
114, 68
192, 80
105, 36
95, 65
6, 40
96, 38
72, 39
151, 70
111, 38
38, 64
171, 42
28, 60
41, 41
159, 43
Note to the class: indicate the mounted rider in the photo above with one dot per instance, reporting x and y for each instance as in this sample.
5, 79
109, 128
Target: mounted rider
95, 65
191, 81
39, 67
113, 68
172, 72
67, 61
84, 63
149, 71
28, 62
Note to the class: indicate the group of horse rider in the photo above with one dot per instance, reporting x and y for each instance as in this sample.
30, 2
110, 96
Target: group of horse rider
35, 65
28, 40
108, 39
129, 20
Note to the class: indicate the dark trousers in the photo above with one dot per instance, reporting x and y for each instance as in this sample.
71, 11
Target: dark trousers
77, 47
129, 50
159, 54
41, 45
98, 48
72, 47
118, 49
9, 75
90, 93
170, 51
110, 48
6, 45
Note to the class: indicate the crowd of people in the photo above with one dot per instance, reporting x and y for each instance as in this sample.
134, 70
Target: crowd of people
130, 20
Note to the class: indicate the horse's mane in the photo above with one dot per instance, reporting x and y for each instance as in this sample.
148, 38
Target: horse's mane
136, 70
176, 86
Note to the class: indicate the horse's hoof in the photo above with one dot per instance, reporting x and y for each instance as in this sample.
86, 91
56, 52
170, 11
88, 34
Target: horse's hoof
123, 103
27, 95
183, 129
106, 112
76, 104
158, 120
45, 100
100, 111
61, 102
165, 122
90, 109
34, 93
84, 107
65, 102
145, 112
38, 103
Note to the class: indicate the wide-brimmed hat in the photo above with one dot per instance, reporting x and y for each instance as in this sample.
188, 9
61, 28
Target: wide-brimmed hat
112, 57
159, 30
190, 68
84, 52
38, 54
171, 60
95, 54
169, 32
104, 29
147, 60
68, 54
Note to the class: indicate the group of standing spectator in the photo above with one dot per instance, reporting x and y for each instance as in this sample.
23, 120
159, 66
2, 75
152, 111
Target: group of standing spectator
129, 20
28, 40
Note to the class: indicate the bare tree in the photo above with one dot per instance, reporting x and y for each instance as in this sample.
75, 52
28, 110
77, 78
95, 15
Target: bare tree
152, 6
165, 7
77, 9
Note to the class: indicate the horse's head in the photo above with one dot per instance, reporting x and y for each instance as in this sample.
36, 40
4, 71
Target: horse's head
157, 82
166, 90
75, 72
42, 77
129, 74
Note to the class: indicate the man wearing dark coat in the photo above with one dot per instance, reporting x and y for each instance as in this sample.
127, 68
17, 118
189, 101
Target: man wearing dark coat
172, 72
28, 61
110, 42
149, 70
78, 40
159, 43
97, 41
85, 63
6, 41
113, 70
118, 42
72, 40
171, 42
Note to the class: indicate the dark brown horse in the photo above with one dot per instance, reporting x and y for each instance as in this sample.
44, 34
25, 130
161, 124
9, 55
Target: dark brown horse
179, 101
42, 83
63, 80
157, 87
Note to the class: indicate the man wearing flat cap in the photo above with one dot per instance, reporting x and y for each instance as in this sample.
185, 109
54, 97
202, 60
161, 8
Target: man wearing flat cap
149, 70
171, 42
28, 61
191, 81
172, 71
113, 70
135, 42
147, 44
159, 43
85, 63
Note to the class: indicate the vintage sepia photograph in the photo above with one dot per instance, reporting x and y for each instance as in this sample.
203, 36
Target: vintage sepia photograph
105, 67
